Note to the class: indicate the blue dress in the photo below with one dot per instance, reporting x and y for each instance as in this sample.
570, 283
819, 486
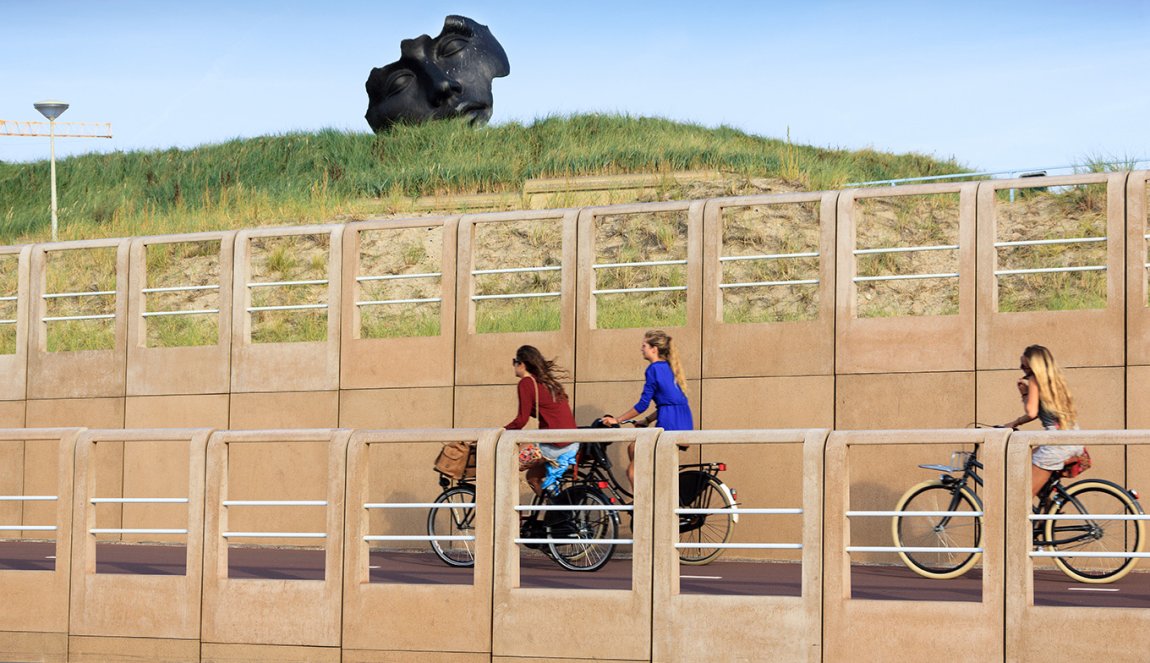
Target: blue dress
660, 386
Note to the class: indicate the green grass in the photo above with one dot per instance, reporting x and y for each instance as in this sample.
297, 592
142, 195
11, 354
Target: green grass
310, 177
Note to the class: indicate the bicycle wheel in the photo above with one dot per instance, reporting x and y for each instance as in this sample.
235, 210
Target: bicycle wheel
924, 532
587, 554
454, 521
1095, 497
704, 492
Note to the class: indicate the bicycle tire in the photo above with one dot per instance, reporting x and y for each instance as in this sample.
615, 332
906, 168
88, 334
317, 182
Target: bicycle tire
454, 521
1098, 497
583, 525
706, 528
941, 532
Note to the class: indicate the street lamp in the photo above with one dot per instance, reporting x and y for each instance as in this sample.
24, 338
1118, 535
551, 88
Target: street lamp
52, 110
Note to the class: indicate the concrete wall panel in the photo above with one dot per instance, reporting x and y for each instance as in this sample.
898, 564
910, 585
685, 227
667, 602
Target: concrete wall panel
108, 605
156, 369
1083, 337
410, 407
795, 347
594, 399
12, 414
371, 622
212, 652
909, 400
679, 630
485, 358
298, 409
88, 412
1123, 633
922, 630
128, 650
43, 647
16, 261
774, 402
604, 354
620, 619
904, 343
267, 611
79, 373
1099, 396
369, 359
184, 411
1137, 393
1138, 269
36, 602
285, 366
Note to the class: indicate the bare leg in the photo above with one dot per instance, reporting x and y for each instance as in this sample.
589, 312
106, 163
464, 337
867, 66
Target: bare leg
1038, 477
535, 476
631, 464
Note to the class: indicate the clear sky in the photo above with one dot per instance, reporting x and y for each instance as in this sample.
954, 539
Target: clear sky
997, 85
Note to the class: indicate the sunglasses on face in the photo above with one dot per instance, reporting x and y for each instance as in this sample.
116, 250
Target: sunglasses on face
515, 361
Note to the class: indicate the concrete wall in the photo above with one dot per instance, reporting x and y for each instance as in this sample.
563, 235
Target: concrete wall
831, 478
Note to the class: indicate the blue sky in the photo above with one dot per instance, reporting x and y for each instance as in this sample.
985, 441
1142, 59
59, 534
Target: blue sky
997, 85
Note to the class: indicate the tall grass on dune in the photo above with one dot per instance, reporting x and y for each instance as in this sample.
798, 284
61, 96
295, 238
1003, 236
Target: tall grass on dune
309, 177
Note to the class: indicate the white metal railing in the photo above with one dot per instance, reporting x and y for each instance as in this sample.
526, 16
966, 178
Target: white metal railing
397, 277
180, 288
419, 505
913, 549
286, 307
1050, 242
905, 249
28, 498
274, 535
516, 270
739, 511
769, 256
10, 298
137, 500
64, 295
1039, 517
573, 507
646, 263
1024, 172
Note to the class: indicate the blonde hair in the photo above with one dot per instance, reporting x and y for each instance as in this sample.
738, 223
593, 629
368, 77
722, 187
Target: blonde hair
659, 340
1053, 394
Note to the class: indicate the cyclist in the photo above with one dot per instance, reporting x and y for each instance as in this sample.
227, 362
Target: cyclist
664, 384
1045, 397
542, 395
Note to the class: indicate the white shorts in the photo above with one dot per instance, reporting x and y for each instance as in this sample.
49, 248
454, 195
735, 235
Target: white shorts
1053, 457
552, 452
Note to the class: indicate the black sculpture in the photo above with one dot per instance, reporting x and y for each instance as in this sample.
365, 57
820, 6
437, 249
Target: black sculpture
449, 76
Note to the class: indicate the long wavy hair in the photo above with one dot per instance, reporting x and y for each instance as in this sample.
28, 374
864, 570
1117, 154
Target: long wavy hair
544, 370
659, 340
1053, 394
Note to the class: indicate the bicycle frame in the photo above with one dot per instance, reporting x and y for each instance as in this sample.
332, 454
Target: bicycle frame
1053, 494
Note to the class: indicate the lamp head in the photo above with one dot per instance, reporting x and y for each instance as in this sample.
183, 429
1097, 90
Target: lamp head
51, 109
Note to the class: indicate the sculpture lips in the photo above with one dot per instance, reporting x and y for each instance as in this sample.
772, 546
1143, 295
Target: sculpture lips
475, 112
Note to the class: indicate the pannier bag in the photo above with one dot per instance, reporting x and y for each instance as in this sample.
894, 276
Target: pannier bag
456, 460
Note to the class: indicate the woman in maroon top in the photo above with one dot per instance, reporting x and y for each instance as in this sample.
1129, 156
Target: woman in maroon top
542, 395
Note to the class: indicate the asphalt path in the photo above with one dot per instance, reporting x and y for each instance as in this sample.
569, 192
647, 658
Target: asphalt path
721, 577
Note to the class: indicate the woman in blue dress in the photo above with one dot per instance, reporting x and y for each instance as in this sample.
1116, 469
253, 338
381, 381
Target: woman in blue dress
665, 385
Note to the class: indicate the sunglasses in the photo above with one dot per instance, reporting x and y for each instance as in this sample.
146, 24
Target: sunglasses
515, 361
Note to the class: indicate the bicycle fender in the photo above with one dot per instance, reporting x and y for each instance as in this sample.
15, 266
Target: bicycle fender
731, 498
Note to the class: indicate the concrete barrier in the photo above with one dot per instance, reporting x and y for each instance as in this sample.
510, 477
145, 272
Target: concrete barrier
694, 627
922, 630
110, 617
393, 619
1076, 630
34, 613
15, 263
267, 618
618, 620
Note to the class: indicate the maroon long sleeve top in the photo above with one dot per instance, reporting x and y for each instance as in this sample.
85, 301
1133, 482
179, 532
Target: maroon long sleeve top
552, 413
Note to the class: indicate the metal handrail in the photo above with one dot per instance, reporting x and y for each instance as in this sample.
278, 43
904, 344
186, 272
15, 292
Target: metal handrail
906, 249
911, 549
924, 514
516, 270
396, 277
615, 291
61, 318
273, 535
906, 277
1050, 270
272, 284
288, 307
648, 263
419, 537
742, 546
381, 302
770, 256
419, 505
200, 311
1046, 242
94, 293
181, 288
139, 500
28, 498
275, 502
1016, 171
757, 284
27, 528
516, 295
135, 530
788, 511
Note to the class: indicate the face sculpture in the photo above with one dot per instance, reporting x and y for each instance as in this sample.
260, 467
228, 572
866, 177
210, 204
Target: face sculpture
448, 76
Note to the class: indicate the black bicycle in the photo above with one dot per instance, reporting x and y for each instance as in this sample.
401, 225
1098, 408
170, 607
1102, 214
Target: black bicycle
700, 490
1091, 520
576, 528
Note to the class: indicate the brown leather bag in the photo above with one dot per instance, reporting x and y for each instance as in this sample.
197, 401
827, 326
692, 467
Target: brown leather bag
456, 460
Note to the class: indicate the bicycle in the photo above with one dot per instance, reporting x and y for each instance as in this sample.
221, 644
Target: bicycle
1074, 530
699, 488
590, 526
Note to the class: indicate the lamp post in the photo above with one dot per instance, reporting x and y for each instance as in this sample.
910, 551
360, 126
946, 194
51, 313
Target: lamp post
52, 110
